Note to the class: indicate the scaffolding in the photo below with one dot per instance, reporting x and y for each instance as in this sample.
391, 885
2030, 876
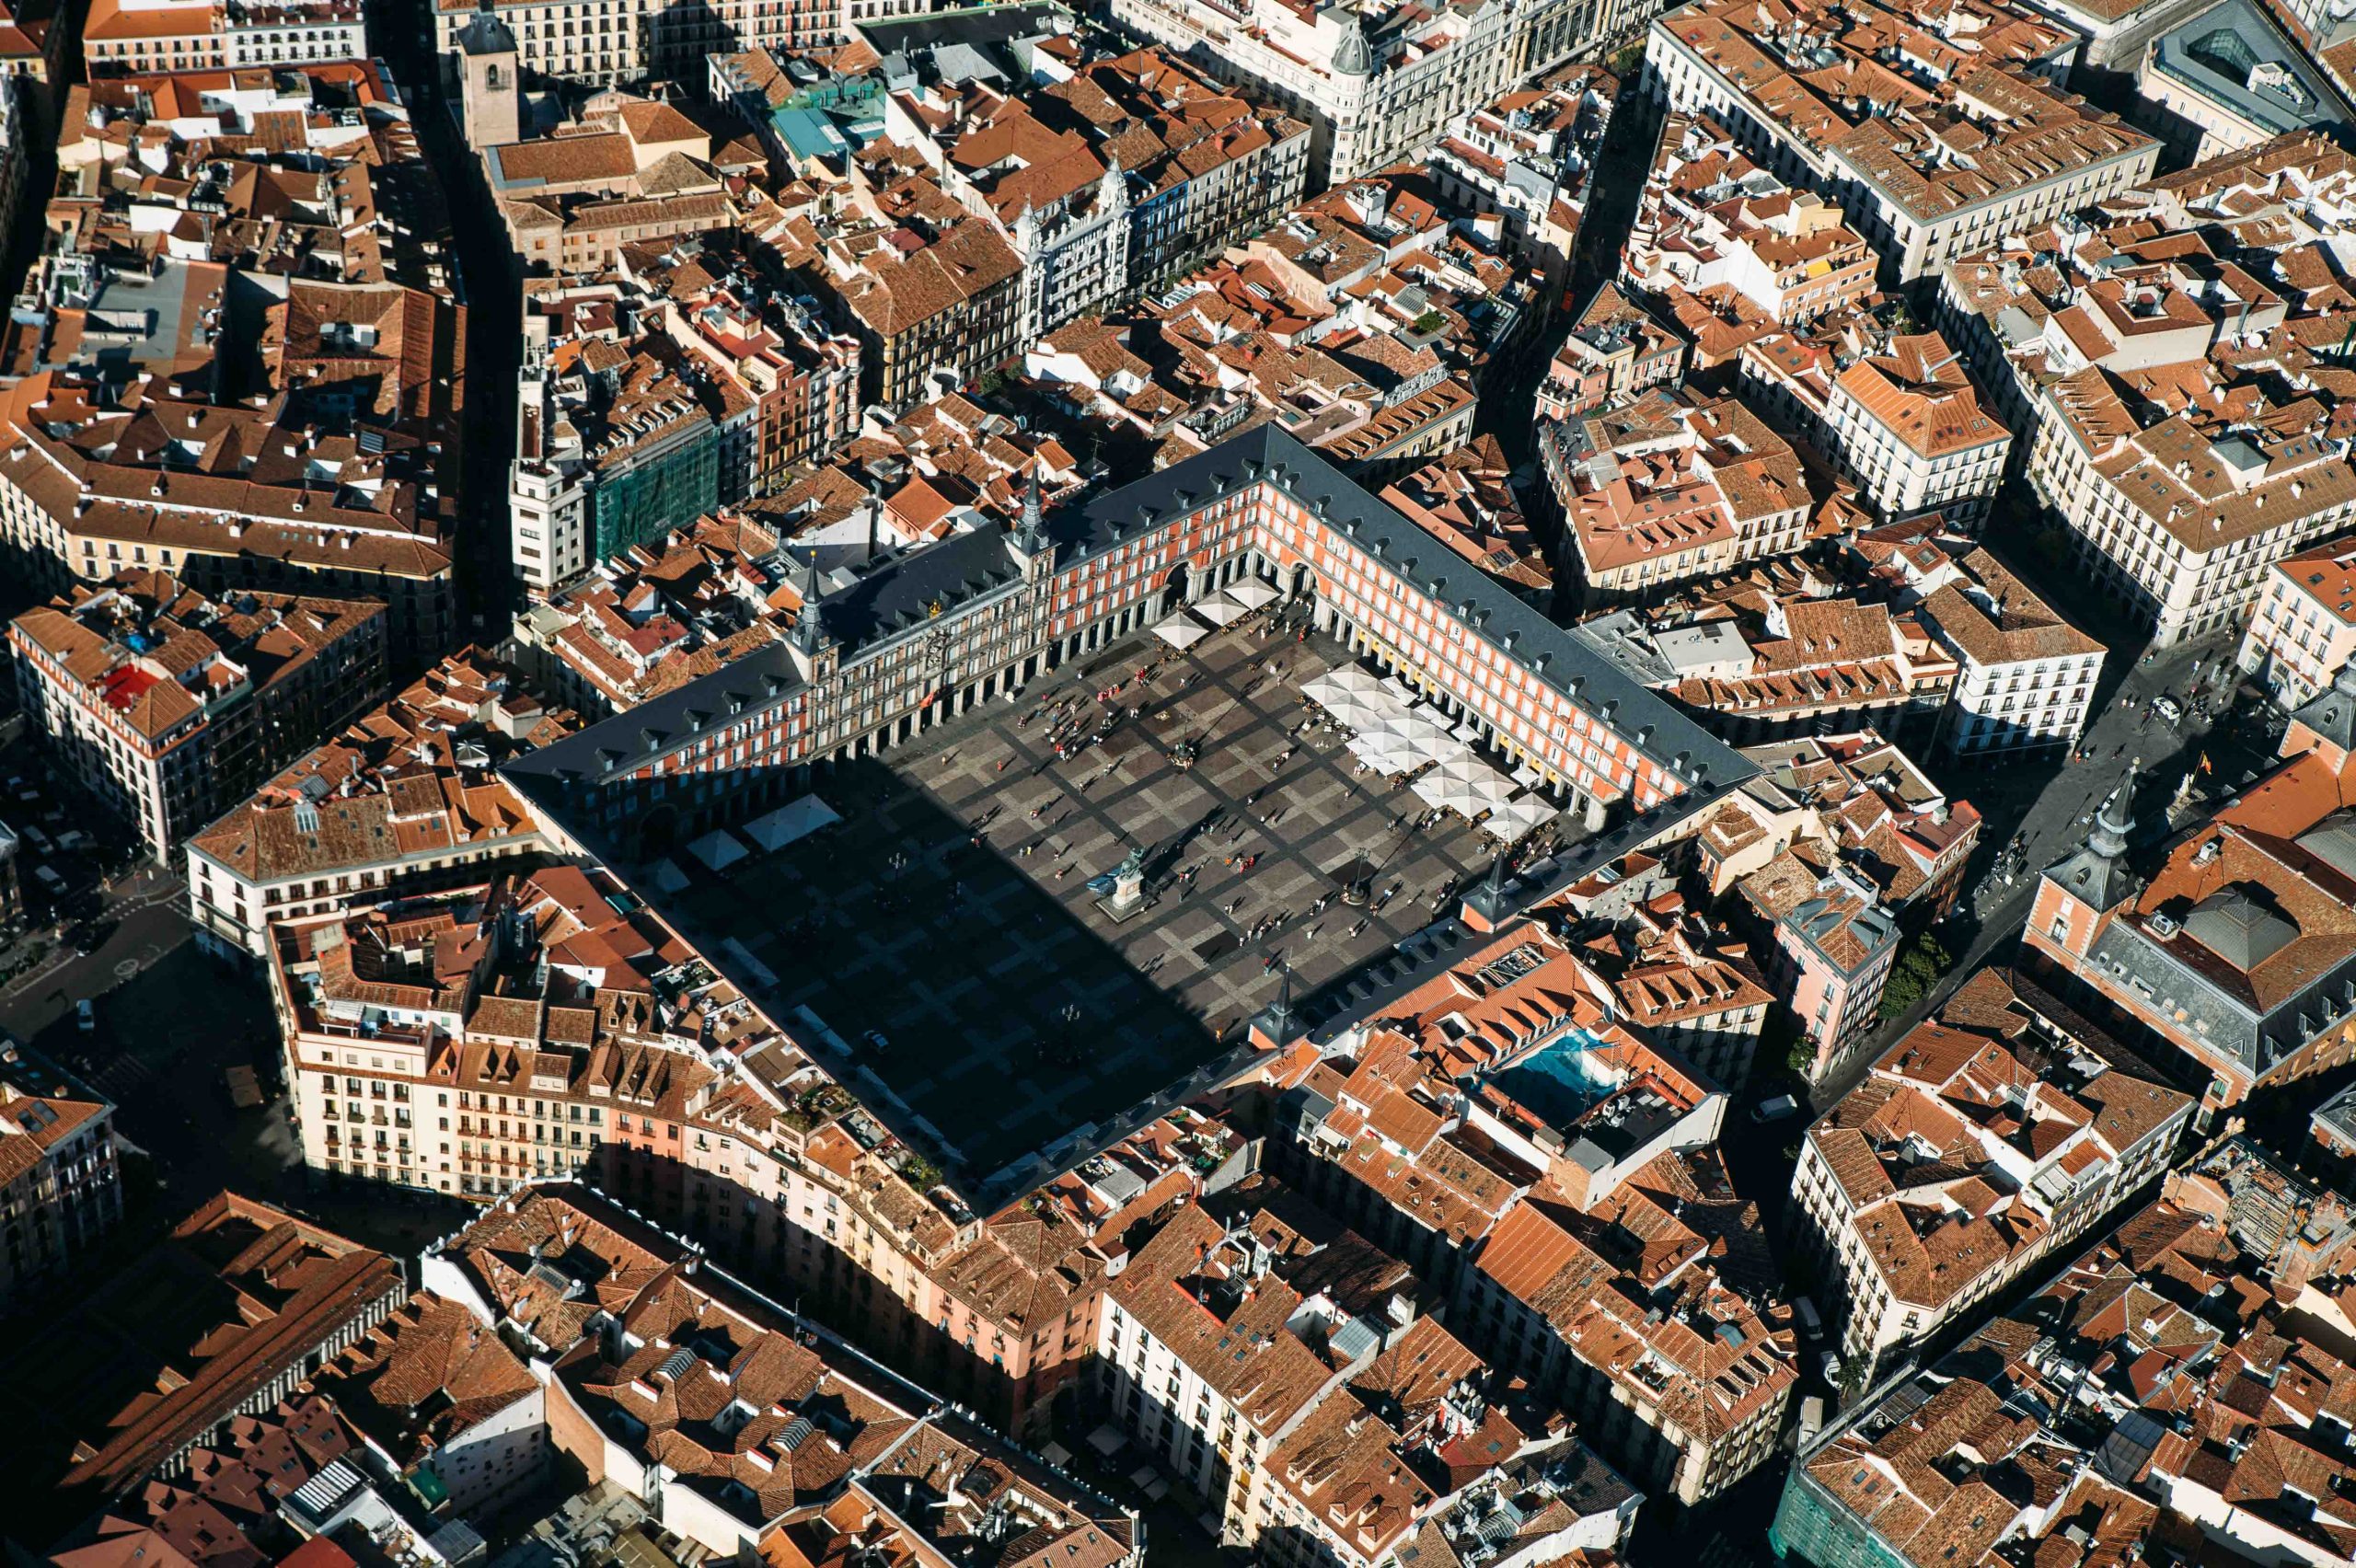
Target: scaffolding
1811, 1525
647, 499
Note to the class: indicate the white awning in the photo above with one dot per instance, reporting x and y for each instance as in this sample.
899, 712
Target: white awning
1251, 593
1218, 609
1105, 1441
1180, 633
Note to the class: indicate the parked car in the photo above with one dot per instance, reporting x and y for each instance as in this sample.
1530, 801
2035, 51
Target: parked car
2170, 711
875, 1039
85, 1016
1810, 1324
1775, 1110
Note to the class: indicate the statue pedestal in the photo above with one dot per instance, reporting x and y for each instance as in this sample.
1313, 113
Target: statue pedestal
1127, 897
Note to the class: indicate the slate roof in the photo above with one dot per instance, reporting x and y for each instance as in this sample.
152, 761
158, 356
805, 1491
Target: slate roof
896, 600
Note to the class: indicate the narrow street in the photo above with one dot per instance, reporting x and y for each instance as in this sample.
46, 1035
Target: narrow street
486, 287
2045, 808
1613, 188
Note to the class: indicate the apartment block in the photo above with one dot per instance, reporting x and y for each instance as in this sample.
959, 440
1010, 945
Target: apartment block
1379, 83
1615, 351
133, 35
234, 1309
1829, 943
325, 251
662, 613
2179, 521
2033, 1138
1466, 501
1767, 665
1668, 489
2166, 1310
2175, 509
630, 171
619, 443
2025, 677
1107, 176
1895, 409
1529, 159
405, 798
1715, 226
1673, 1357
2038, 153
61, 1182
2303, 628
1502, 1111
634, 1334
455, 1413
588, 42
1275, 1439
169, 704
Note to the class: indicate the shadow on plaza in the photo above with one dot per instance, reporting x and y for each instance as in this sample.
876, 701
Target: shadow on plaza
958, 938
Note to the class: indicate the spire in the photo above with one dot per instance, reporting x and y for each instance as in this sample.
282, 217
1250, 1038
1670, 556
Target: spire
2096, 871
1031, 539
2115, 822
2330, 716
805, 624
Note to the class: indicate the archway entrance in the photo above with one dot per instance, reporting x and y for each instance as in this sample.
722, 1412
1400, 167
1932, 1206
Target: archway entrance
658, 830
1174, 592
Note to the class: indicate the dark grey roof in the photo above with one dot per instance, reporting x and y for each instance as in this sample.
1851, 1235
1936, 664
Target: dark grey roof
1500, 616
895, 596
2338, 1115
2235, 926
2128, 952
2333, 841
2331, 713
486, 34
899, 592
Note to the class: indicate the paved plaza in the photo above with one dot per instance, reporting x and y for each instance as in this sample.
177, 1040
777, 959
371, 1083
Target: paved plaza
951, 911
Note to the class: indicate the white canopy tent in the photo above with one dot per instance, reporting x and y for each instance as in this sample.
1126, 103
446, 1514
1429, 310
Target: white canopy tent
1181, 631
1382, 751
1423, 728
1354, 697
1448, 752
1447, 789
719, 849
1495, 788
1218, 609
1521, 814
795, 819
1251, 593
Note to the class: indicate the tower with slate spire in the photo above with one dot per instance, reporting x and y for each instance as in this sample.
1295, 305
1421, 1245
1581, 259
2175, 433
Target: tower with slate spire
2326, 723
1032, 550
2090, 879
812, 650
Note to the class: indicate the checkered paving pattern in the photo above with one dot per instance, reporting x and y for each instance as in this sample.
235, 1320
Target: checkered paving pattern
951, 911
